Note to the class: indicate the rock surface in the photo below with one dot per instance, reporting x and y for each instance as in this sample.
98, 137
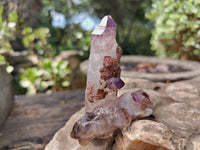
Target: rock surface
34, 119
143, 83
150, 135
181, 118
6, 94
192, 68
175, 117
193, 143
194, 82
184, 93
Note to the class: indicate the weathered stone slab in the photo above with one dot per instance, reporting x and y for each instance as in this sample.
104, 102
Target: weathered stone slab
151, 135
6, 94
185, 93
143, 83
35, 119
192, 67
193, 143
184, 120
194, 82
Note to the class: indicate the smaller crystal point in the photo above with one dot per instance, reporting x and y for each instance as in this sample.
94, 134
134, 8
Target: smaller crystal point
107, 21
141, 97
114, 83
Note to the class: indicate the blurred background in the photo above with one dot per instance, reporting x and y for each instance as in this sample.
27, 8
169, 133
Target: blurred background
43, 42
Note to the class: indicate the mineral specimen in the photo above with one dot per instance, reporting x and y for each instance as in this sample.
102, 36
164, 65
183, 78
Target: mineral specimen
105, 112
103, 65
116, 114
114, 83
141, 97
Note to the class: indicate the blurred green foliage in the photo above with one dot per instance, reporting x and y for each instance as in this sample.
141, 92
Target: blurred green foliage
70, 37
9, 68
2, 59
133, 29
7, 29
46, 41
175, 24
177, 28
49, 76
36, 41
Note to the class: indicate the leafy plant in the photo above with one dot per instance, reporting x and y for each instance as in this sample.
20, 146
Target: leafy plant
9, 68
7, 29
2, 59
36, 41
177, 28
71, 36
49, 76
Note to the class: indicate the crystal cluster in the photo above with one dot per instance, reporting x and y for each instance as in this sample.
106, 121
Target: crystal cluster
103, 65
116, 114
105, 112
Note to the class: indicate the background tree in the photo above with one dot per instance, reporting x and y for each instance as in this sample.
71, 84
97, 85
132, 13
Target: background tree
71, 36
47, 27
177, 28
28, 13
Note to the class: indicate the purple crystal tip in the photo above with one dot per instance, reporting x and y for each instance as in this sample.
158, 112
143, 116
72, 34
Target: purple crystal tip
106, 22
141, 97
110, 22
114, 83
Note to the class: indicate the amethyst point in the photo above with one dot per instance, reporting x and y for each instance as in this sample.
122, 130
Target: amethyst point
106, 23
114, 83
141, 97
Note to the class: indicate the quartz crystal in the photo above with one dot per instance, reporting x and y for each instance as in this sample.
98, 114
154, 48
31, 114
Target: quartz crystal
114, 83
103, 64
115, 114
105, 112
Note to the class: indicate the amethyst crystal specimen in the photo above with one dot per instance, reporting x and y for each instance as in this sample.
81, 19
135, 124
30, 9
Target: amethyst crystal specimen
105, 112
116, 114
103, 64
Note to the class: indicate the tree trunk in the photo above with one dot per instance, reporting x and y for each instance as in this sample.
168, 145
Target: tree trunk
27, 10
